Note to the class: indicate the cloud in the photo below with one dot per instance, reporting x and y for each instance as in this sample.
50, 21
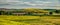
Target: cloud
29, 3
35, 4
47, 2
12, 1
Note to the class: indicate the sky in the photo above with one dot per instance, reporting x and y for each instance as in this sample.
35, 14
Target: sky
44, 4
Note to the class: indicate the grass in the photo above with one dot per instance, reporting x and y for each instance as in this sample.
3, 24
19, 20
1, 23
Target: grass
29, 20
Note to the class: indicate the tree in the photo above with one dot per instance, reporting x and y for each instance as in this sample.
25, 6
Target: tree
1, 12
8, 13
50, 13
57, 11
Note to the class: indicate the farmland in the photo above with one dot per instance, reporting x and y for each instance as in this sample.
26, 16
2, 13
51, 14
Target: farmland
29, 17
29, 20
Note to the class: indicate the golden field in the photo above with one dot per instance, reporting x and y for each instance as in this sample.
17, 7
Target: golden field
29, 20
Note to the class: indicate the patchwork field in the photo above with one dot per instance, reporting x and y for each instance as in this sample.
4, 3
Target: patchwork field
29, 20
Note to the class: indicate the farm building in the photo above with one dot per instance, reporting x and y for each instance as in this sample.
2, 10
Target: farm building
18, 13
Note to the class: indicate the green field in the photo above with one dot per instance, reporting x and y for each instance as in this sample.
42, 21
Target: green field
29, 20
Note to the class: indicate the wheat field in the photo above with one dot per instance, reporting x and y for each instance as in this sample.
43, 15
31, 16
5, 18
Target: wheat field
29, 20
